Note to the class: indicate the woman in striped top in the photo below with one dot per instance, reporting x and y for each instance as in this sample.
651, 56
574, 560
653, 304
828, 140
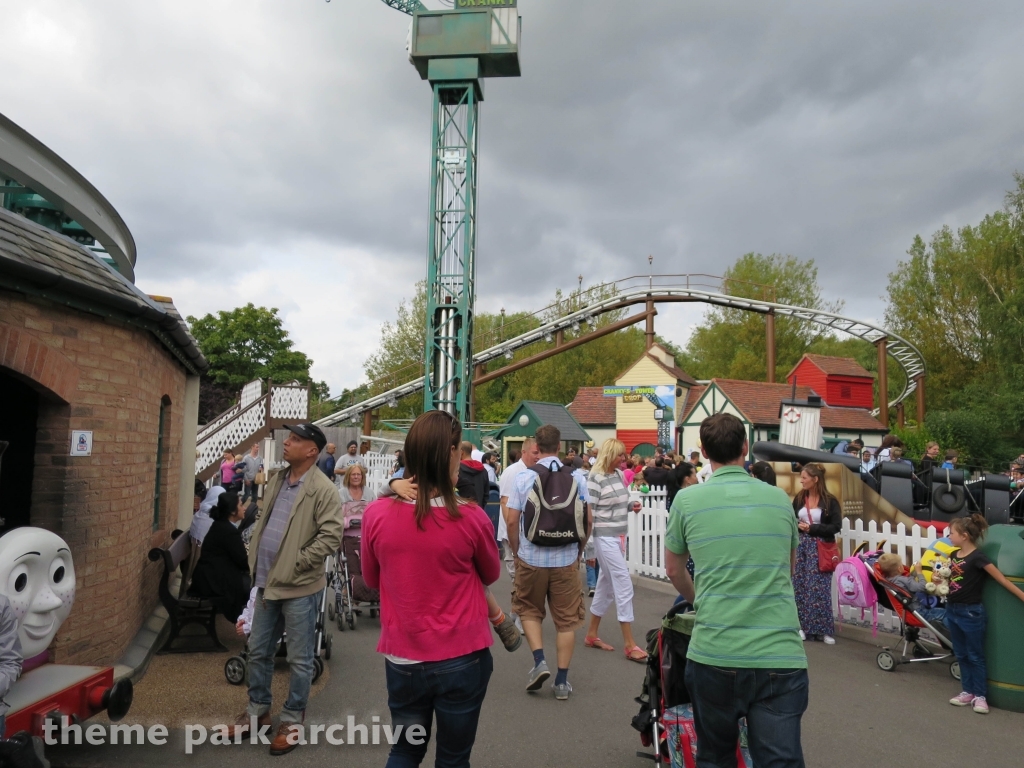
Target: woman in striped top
609, 503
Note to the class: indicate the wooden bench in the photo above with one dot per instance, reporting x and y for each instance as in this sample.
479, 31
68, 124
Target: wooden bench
184, 609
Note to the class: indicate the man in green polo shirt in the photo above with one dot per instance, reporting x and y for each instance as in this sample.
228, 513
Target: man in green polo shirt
746, 658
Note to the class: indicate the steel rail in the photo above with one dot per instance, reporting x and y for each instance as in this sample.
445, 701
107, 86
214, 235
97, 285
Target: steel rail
906, 355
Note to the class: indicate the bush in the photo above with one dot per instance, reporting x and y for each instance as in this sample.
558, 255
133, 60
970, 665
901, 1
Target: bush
977, 435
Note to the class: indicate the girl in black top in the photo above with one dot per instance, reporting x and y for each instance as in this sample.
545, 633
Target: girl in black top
965, 614
222, 573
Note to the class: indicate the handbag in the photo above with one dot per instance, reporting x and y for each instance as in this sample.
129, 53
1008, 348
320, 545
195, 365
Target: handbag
261, 479
828, 556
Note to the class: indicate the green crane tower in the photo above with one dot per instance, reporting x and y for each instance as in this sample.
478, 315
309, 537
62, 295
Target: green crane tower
454, 49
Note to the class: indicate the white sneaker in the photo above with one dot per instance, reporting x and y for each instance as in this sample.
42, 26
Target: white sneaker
803, 636
829, 640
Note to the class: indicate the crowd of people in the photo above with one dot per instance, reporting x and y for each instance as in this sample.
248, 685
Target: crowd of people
432, 551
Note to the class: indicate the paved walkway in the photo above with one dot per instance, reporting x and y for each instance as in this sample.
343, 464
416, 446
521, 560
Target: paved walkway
859, 716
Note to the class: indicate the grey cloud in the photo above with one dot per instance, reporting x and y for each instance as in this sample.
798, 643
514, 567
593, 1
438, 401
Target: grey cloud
694, 131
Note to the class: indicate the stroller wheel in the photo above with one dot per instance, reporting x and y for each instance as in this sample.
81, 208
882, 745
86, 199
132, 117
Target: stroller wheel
330, 611
318, 669
374, 613
327, 645
886, 662
234, 670
341, 621
954, 670
352, 621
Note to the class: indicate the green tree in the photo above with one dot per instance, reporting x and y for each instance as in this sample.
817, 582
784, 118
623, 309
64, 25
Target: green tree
960, 299
243, 344
400, 355
731, 343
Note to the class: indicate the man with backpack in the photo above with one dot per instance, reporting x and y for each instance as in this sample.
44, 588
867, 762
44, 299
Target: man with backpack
547, 506
745, 657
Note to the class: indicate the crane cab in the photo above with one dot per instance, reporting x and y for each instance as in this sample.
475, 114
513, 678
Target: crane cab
474, 39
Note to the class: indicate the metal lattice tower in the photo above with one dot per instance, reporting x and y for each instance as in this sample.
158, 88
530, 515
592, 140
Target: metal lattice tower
451, 251
454, 49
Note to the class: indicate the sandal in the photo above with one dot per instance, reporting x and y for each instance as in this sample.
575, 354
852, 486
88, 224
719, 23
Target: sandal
598, 643
637, 654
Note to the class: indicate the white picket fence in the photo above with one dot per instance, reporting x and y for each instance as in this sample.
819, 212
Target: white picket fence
378, 469
645, 547
645, 534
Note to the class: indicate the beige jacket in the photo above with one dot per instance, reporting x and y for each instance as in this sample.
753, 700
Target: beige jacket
313, 532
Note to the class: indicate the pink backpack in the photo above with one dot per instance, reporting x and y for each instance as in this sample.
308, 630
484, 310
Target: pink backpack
855, 588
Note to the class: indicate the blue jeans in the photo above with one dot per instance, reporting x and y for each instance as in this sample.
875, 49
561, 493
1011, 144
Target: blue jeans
299, 615
772, 700
935, 616
592, 573
453, 692
967, 624
249, 491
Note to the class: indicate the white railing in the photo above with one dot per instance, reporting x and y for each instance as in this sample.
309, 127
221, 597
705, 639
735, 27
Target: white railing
289, 402
220, 421
378, 468
645, 537
909, 545
645, 546
246, 424
242, 423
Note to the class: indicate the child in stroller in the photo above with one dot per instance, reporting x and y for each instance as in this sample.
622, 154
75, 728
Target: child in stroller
926, 605
895, 589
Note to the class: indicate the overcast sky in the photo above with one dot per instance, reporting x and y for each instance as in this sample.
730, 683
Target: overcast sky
278, 152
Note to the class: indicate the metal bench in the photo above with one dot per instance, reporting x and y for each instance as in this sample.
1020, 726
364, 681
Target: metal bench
184, 609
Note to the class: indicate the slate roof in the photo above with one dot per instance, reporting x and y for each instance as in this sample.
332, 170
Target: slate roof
34, 257
591, 407
557, 416
835, 366
760, 401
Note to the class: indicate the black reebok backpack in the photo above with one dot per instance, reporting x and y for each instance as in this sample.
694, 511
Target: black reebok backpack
555, 515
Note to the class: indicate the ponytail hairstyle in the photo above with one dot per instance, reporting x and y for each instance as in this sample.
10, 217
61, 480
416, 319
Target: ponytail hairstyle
972, 527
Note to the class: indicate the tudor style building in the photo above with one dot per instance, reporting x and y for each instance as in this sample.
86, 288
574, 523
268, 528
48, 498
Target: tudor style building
757, 405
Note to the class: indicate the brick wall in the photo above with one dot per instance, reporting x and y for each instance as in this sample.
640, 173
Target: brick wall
108, 377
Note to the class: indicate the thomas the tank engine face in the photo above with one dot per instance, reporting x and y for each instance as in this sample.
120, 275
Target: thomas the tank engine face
38, 576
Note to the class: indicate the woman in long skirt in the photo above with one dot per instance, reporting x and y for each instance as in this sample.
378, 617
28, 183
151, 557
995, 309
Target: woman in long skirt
819, 518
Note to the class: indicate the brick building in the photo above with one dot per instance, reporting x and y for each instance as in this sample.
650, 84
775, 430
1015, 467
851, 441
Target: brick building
83, 349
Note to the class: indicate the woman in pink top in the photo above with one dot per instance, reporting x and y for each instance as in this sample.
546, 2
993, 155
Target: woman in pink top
430, 559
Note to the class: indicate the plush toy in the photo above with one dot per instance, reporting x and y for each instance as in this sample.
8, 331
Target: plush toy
941, 572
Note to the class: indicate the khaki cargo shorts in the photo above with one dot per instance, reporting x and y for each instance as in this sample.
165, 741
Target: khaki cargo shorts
561, 587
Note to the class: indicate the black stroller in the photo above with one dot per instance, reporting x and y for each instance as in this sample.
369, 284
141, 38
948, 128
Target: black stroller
665, 720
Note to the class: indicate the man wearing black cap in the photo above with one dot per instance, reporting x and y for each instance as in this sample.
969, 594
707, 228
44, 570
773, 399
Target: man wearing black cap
350, 457
300, 526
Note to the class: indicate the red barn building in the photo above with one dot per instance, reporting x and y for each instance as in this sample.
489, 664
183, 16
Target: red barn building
841, 381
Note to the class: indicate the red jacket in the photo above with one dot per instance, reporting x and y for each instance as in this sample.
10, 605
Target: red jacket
431, 580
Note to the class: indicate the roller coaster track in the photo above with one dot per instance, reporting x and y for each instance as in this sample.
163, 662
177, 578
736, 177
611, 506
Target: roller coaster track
659, 289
